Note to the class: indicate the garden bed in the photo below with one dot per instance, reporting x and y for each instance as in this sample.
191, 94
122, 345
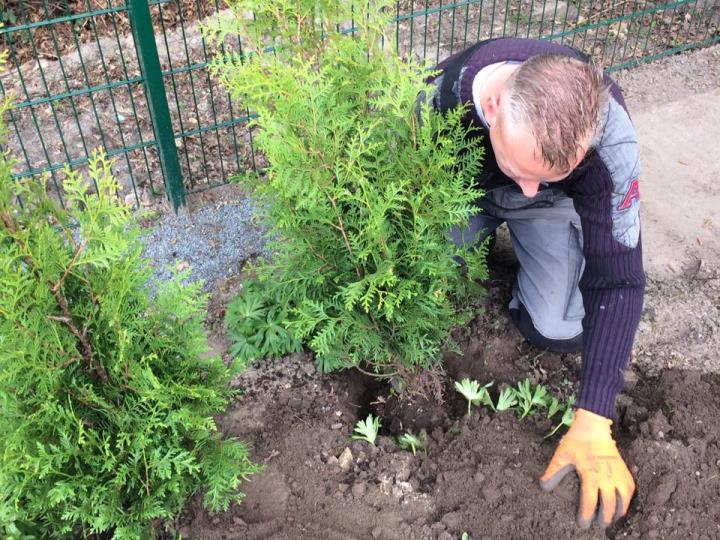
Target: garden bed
480, 474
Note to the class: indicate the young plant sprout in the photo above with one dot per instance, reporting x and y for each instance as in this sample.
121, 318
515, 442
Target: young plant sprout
530, 400
507, 399
408, 441
567, 417
555, 407
367, 430
474, 393
525, 399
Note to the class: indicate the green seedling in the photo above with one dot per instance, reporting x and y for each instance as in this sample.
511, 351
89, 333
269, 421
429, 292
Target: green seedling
408, 441
367, 430
524, 396
555, 407
530, 400
465, 536
567, 417
474, 393
507, 399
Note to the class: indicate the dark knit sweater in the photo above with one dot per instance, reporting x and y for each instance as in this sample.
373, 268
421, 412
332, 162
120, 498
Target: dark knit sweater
604, 190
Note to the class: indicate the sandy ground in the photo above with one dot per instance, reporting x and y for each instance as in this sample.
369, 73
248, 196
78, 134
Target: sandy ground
675, 106
681, 212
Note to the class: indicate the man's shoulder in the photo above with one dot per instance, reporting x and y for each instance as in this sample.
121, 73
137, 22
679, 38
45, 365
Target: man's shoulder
616, 157
617, 145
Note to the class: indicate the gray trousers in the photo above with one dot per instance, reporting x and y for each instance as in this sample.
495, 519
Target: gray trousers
547, 241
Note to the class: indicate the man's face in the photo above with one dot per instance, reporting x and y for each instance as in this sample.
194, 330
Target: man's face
519, 157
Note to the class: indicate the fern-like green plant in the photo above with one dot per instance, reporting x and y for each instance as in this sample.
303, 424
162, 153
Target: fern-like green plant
257, 325
107, 397
568, 414
507, 399
362, 187
409, 441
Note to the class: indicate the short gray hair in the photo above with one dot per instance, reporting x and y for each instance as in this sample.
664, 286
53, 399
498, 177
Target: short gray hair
561, 99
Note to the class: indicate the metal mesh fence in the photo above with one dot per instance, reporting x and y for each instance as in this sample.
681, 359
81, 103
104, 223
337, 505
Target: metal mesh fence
77, 81
617, 34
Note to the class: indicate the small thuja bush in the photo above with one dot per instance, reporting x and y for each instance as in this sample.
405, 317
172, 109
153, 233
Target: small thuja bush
106, 396
362, 187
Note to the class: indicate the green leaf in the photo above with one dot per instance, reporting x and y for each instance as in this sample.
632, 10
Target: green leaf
554, 407
408, 441
473, 392
567, 417
367, 430
540, 397
507, 399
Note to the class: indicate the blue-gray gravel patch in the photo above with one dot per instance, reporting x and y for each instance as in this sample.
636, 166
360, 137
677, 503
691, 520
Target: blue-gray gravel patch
213, 242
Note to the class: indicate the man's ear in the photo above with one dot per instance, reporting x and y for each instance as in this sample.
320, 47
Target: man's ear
490, 109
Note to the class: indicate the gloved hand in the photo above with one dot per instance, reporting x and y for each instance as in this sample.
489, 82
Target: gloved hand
589, 449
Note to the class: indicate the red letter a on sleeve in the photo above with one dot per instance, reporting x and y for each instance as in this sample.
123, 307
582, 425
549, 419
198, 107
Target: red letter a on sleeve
633, 194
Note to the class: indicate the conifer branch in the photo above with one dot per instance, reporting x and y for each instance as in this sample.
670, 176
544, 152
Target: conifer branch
7, 221
339, 121
79, 250
78, 427
67, 319
383, 375
341, 228
85, 348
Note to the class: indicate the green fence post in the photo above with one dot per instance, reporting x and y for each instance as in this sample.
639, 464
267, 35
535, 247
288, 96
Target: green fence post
157, 100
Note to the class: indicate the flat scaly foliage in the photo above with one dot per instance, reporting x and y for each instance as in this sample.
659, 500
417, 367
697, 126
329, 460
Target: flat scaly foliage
106, 399
363, 184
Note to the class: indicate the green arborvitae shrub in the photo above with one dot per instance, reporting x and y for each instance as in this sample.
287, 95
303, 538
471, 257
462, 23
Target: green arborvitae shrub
362, 187
106, 395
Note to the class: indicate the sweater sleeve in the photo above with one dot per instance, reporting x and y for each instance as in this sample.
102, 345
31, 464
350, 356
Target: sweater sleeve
606, 195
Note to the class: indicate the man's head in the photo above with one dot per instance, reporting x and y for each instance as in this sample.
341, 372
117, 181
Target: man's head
544, 118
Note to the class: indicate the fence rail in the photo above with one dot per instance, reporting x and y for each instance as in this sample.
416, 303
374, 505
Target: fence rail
82, 78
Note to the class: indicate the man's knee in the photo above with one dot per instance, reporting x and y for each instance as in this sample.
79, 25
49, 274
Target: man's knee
523, 322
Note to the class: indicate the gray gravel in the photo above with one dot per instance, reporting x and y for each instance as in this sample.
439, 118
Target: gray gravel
670, 78
213, 241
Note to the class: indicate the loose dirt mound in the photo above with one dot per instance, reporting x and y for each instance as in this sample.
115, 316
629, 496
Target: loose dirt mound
479, 476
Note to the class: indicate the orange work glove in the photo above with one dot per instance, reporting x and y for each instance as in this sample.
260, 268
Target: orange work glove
589, 449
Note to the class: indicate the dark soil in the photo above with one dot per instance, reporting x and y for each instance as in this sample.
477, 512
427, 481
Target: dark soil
480, 473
